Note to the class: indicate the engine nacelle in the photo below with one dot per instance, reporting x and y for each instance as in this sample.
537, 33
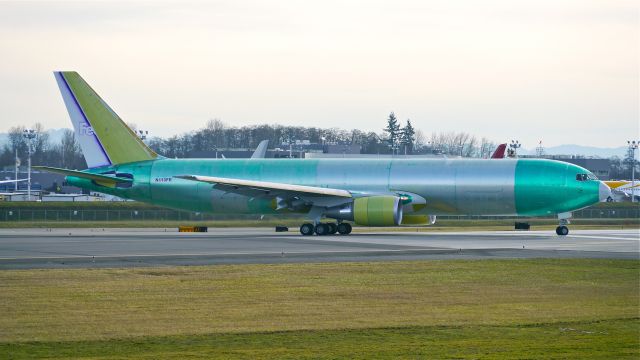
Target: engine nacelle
412, 219
370, 211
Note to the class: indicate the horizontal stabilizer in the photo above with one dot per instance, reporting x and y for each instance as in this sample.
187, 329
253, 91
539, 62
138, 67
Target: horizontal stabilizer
268, 186
103, 179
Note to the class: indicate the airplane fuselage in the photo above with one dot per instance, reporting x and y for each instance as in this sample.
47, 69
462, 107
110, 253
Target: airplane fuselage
526, 187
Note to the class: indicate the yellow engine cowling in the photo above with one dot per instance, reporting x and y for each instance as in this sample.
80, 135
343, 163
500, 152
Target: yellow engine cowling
377, 211
413, 219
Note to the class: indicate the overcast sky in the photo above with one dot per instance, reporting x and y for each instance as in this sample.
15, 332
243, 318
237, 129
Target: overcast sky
552, 70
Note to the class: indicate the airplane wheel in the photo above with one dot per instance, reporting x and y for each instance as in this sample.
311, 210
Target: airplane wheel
322, 229
344, 228
306, 229
562, 230
333, 228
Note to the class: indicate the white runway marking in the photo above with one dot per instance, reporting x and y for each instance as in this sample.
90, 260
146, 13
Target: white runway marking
603, 237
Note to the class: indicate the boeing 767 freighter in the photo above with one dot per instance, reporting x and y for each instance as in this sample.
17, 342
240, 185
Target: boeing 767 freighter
369, 192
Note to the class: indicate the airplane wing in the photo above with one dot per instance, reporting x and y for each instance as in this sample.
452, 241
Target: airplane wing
255, 188
11, 181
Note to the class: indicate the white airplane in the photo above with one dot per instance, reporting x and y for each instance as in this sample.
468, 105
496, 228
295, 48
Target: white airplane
623, 189
11, 181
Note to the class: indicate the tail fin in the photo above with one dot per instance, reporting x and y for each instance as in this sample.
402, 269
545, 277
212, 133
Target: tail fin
104, 138
261, 150
499, 152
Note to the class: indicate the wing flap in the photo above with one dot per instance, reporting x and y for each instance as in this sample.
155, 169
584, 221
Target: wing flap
267, 186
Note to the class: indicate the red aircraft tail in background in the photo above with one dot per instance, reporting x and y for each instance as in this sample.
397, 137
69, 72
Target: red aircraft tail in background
499, 153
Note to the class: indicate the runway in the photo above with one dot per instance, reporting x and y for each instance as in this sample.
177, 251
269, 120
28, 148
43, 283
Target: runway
65, 248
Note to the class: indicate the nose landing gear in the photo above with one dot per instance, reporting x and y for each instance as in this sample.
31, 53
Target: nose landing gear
562, 229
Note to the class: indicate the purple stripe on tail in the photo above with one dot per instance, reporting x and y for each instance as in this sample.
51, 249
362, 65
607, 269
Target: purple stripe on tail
73, 96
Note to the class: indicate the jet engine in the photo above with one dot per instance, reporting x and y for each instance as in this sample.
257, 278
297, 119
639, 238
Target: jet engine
370, 211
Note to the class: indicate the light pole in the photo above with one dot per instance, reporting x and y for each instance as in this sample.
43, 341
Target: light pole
633, 145
30, 135
540, 150
143, 134
513, 147
291, 142
15, 185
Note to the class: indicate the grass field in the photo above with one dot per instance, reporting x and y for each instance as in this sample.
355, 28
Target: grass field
578, 308
613, 339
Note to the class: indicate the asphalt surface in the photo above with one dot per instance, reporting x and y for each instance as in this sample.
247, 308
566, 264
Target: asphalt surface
85, 248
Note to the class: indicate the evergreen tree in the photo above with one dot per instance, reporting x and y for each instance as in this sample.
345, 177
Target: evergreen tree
393, 129
408, 137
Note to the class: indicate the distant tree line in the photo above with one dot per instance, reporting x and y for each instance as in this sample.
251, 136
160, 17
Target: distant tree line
620, 168
216, 135
65, 153
394, 138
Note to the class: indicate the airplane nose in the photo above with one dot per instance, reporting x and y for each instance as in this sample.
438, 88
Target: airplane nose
604, 192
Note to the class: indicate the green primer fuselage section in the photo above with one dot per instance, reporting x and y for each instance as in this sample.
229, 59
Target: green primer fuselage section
544, 187
450, 186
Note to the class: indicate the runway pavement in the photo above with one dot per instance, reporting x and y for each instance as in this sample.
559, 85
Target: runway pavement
64, 248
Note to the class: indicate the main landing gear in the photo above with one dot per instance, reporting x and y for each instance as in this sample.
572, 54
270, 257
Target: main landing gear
325, 229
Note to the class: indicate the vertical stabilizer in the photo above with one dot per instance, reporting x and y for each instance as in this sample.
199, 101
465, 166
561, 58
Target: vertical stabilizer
261, 150
499, 152
104, 138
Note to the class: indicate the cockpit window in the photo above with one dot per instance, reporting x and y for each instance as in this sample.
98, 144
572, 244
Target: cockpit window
585, 177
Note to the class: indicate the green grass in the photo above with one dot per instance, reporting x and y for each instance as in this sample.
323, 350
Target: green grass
573, 308
611, 339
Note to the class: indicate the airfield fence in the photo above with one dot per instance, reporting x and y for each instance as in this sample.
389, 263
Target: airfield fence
39, 214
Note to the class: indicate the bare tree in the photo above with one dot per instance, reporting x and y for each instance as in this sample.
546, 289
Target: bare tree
486, 147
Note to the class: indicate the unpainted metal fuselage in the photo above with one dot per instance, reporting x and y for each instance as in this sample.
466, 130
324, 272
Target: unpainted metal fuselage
526, 187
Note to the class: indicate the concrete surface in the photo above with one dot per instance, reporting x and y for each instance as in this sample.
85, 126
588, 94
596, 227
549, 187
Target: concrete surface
63, 248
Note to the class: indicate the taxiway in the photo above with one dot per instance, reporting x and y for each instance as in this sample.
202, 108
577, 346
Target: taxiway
63, 248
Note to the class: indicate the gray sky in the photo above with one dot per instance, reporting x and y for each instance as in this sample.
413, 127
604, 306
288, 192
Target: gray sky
553, 70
